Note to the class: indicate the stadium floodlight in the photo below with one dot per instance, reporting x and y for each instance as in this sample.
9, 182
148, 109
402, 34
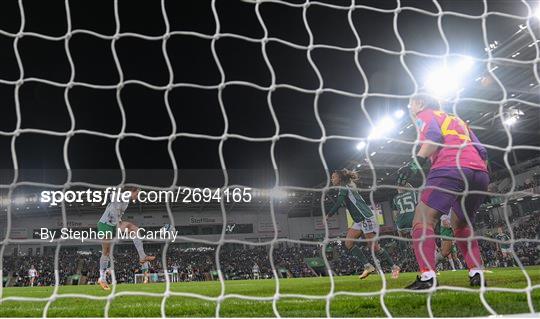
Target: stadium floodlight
465, 64
537, 12
278, 194
447, 80
19, 200
382, 128
510, 121
442, 82
5, 201
399, 113
360, 146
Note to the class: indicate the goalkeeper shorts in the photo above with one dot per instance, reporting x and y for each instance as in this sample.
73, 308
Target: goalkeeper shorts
450, 179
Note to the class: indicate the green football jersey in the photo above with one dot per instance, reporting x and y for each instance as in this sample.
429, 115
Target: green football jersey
355, 204
505, 238
446, 231
405, 203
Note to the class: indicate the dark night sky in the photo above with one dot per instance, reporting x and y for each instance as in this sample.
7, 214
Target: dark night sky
196, 110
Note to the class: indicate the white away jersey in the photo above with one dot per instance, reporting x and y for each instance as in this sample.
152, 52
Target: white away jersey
113, 213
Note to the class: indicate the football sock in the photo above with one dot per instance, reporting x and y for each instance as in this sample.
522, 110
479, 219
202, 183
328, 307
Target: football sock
451, 261
358, 254
424, 250
103, 265
382, 254
427, 275
472, 255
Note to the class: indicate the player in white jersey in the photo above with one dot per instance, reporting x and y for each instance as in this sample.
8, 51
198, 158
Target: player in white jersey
110, 221
174, 273
256, 272
32, 273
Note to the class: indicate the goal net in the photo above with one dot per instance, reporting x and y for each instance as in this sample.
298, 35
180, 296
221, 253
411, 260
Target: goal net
156, 277
268, 98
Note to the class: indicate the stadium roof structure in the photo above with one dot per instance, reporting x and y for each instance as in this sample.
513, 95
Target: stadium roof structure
300, 112
479, 105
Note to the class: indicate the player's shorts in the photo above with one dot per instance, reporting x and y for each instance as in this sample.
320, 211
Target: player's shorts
367, 226
451, 179
106, 230
404, 222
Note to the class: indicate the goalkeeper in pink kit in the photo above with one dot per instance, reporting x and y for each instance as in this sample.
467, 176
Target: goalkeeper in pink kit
445, 186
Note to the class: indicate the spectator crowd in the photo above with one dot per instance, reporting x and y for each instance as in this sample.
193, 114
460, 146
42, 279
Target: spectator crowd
236, 261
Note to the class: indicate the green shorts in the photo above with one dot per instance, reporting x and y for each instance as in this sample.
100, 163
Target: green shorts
106, 231
404, 222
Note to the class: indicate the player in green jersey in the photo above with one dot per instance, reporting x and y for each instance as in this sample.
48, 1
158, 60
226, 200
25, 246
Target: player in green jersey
404, 204
448, 249
504, 247
365, 222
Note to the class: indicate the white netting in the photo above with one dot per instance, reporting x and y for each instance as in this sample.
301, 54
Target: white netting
263, 41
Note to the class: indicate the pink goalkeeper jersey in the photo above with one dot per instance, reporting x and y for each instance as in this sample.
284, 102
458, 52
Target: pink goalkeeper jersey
437, 126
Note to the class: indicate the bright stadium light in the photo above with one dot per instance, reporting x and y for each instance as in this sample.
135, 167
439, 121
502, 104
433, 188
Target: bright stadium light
19, 200
360, 146
399, 113
465, 64
510, 121
512, 116
537, 12
279, 194
448, 79
5, 201
382, 128
442, 82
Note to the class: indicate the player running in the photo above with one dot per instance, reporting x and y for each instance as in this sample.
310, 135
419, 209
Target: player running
365, 222
32, 273
110, 221
457, 165
504, 248
448, 249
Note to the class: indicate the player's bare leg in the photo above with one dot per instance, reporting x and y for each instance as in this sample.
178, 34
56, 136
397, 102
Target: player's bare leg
104, 265
446, 249
143, 258
356, 251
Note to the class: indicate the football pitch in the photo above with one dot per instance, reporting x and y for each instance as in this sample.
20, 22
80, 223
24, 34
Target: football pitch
240, 298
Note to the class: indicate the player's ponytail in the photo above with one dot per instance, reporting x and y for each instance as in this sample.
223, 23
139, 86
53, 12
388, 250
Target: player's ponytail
346, 176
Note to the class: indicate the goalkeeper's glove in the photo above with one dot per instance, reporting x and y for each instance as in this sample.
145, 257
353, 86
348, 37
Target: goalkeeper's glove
410, 169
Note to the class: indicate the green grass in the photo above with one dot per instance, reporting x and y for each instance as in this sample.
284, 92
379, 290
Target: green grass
445, 303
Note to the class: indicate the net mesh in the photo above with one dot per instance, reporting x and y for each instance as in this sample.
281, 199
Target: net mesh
320, 89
